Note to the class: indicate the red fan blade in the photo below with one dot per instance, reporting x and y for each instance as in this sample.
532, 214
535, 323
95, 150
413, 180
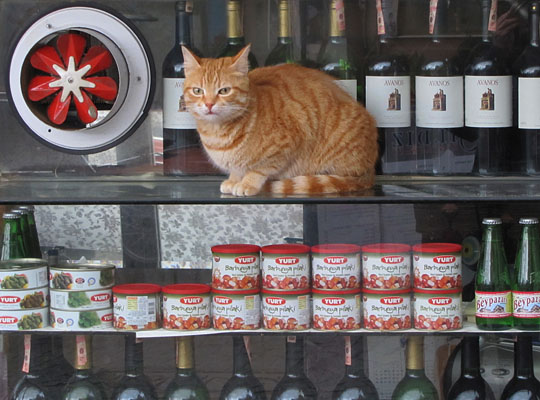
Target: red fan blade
39, 87
98, 57
58, 109
86, 109
105, 88
71, 45
44, 58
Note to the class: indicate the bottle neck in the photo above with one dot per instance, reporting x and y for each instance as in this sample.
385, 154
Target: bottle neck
284, 21
185, 360
533, 23
294, 358
336, 31
414, 356
183, 28
470, 357
83, 353
356, 366
40, 350
234, 22
241, 363
489, 19
492, 234
133, 356
523, 358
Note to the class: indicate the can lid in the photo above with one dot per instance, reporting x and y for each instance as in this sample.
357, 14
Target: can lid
332, 292
137, 288
286, 292
386, 292
333, 248
74, 266
528, 221
437, 291
22, 263
386, 248
236, 248
491, 221
186, 288
289, 248
235, 292
437, 248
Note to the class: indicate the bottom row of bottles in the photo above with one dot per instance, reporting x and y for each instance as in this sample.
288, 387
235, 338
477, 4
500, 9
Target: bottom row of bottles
47, 377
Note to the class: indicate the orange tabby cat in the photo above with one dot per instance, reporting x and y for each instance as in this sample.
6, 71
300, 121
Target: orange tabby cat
284, 129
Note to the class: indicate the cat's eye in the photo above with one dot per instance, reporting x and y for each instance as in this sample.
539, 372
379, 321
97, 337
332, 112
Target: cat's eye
197, 91
225, 90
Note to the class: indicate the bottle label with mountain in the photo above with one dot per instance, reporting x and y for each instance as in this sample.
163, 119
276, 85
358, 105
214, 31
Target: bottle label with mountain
388, 99
529, 96
439, 101
493, 304
175, 113
526, 304
488, 101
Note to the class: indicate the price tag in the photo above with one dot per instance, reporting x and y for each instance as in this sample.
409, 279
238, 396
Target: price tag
340, 8
380, 18
492, 26
348, 351
432, 15
82, 355
27, 349
291, 339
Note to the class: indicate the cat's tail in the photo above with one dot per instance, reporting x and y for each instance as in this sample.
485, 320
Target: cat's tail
321, 184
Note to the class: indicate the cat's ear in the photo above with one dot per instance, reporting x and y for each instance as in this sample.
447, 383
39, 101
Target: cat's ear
191, 61
240, 61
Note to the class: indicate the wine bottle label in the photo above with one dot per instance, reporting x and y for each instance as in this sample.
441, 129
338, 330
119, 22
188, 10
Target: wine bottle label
349, 85
432, 15
388, 99
528, 100
380, 18
488, 101
27, 350
492, 25
494, 304
526, 304
175, 114
439, 101
348, 351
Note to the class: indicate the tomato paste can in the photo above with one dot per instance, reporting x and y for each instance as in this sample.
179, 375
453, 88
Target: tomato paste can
236, 310
335, 266
285, 267
336, 310
388, 310
437, 310
236, 267
78, 276
21, 299
286, 310
386, 266
81, 299
437, 266
136, 306
80, 320
23, 273
24, 319
186, 306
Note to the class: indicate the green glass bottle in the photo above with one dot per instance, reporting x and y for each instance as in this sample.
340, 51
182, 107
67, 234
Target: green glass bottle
523, 385
493, 287
283, 52
25, 231
186, 385
12, 244
415, 385
32, 227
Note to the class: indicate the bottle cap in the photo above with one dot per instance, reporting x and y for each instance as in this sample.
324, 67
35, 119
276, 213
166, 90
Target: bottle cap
528, 221
491, 221
21, 211
10, 215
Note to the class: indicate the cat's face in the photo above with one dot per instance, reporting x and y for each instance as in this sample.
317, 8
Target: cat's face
216, 90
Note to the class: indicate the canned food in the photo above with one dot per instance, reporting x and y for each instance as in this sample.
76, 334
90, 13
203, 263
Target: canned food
32, 318
284, 310
23, 273
186, 306
81, 320
387, 311
24, 298
386, 266
136, 306
81, 300
74, 276
236, 310
335, 266
236, 267
336, 310
438, 311
285, 267
437, 266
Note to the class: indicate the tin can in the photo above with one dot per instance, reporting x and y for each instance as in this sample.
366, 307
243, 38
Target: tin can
386, 266
336, 310
24, 298
335, 266
437, 266
136, 306
73, 276
186, 306
236, 310
286, 311
387, 310
18, 320
81, 300
82, 320
437, 311
285, 267
23, 273
236, 267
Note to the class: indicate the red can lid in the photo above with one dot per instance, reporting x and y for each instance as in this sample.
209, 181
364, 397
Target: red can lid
137, 288
235, 292
289, 248
236, 248
436, 292
386, 292
336, 248
384, 248
437, 248
286, 292
333, 292
187, 288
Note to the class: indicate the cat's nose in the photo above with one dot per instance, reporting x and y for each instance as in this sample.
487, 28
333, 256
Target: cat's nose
209, 106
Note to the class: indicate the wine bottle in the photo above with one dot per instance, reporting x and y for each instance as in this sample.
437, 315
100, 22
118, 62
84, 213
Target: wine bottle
354, 385
12, 243
83, 385
488, 98
294, 384
415, 385
470, 385
283, 52
186, 385
235, 33
523, 385
493, 294
59, 370
243, 385
527, 70
134, 385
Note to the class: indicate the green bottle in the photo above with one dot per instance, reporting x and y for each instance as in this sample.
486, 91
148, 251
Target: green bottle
493, 289
12, 244
283, 52
35, 247
25, 231
415, 385
526, 282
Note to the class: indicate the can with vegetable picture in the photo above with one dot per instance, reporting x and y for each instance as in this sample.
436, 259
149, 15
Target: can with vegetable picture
24, 273
74, 276
81, 320
33, 318
81, 300
20, 299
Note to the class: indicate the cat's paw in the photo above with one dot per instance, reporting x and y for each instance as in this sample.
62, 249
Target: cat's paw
243, 189
227, 186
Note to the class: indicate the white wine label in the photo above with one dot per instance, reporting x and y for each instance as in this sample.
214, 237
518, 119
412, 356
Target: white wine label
528, 100
439, 101
526, 304
349, 85
488, 101
175, 114
493, 304
388, 99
